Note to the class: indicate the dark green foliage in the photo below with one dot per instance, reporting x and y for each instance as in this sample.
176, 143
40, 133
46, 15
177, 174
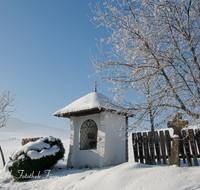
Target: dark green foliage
28, 168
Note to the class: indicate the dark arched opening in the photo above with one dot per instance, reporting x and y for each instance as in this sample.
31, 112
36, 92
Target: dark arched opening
88, 135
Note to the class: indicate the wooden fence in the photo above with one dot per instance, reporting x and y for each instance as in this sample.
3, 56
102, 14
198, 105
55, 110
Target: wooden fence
25, 141
148, 150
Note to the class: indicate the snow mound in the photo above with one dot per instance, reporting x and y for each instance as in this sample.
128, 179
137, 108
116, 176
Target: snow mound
32, 149
45, 152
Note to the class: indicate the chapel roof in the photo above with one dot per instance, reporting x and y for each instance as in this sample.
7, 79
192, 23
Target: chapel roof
89, 104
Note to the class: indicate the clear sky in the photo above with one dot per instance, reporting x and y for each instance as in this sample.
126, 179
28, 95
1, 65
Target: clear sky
44, 49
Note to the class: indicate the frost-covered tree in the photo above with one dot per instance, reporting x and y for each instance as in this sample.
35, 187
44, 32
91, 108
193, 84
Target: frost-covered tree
6, 109
6, 106
149, 110
156, 40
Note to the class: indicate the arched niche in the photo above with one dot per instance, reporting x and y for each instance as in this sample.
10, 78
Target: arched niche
88, 135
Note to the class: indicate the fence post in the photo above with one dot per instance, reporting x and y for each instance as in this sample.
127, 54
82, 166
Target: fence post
157, 147
168, 143
193, 146
140, 147
151, 145
197, 137
146, 148
187, 148
134, 141
163, 149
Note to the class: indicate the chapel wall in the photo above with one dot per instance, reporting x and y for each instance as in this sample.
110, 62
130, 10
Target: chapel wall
115, 143
89, 157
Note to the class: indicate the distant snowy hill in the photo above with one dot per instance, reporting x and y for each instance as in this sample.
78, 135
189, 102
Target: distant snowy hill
19, 128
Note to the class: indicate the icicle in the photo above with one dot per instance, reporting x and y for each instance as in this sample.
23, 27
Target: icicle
57, 121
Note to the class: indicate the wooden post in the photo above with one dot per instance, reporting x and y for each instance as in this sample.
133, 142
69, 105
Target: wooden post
151, 145
168, 143
197, 137
134, 141
146, 148
193, 146
162, 144
187, 148
157, 147
22, 142
140, 147
181, 147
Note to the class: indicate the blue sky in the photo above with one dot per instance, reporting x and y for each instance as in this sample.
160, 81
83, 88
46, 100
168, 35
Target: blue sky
44, 49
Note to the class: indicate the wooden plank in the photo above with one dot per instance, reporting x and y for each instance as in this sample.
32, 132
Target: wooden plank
181, 148
168, 142
23, 142
197, 137
157, 147
162, 145
187, 148
140, 147
151, 145
135, 150
146, 148
193, 146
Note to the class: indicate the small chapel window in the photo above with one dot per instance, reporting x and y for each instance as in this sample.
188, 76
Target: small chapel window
88, 135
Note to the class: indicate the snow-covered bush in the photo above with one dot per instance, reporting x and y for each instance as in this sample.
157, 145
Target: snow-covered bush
32, 159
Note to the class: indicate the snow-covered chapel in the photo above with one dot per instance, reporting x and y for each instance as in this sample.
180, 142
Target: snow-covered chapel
95, 140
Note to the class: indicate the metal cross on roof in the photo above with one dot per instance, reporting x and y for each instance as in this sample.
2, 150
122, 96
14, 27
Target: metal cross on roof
95, 85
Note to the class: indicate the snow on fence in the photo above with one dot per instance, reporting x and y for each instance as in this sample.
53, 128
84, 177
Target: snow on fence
25, 141
147, 150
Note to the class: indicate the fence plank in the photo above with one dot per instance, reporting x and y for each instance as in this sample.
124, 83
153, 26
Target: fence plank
162, 145
140, 147
151, 145
182, 148
145, 151
135, 150
197, 137
193, 146
168, 142
25, 141
157, 147
146, 148
187, 148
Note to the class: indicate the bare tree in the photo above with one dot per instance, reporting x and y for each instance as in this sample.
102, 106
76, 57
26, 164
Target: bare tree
149, 109
6, 106
152, 39
6, 109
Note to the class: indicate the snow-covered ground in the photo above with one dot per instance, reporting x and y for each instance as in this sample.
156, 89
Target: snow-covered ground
129, 175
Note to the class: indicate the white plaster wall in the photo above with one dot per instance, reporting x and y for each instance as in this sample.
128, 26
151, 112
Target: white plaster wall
110, 145
80, 158
71, 147
115, 143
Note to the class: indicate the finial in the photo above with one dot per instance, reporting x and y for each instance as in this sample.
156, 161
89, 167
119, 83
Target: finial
95, 85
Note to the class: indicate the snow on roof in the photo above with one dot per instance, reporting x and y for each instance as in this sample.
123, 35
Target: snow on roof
91, 101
